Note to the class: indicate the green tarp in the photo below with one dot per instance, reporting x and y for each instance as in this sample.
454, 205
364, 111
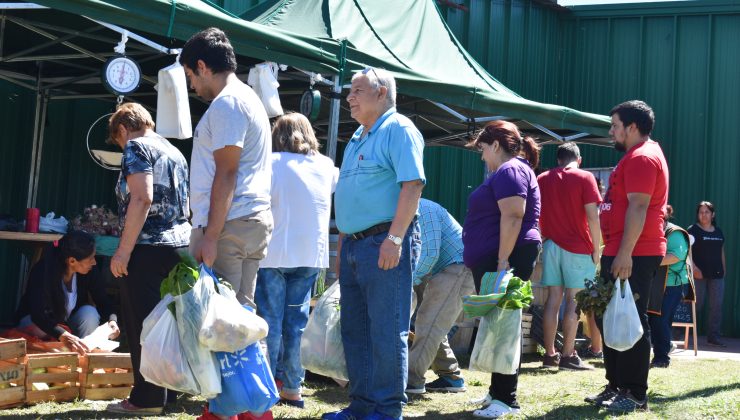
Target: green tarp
408, 38
412, 39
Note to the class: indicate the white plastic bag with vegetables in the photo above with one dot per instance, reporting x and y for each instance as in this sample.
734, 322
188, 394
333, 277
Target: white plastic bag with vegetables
228, 326
622, 326
322, 350
162, 360
190, 311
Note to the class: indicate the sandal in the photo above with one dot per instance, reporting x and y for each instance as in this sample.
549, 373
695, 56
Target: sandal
495, 410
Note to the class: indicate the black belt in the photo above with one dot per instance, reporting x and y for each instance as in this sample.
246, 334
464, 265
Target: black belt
371, 231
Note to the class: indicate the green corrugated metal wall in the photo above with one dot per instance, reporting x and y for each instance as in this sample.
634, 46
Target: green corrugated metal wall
237, 7
70, 180
16, 120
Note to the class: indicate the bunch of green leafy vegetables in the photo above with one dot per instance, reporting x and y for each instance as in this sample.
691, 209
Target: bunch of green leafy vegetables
518, 295
181, 278
595, 296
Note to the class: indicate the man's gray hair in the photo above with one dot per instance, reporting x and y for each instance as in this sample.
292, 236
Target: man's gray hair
378, 78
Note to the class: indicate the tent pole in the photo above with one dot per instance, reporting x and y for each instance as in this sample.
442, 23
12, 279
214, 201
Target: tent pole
39, 153
39, 121
38, 132
331, 145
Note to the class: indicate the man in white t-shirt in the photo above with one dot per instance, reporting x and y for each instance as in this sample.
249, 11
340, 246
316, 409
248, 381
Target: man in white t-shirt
230, 166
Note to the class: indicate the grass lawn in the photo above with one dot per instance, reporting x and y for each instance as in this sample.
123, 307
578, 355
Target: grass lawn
700, 389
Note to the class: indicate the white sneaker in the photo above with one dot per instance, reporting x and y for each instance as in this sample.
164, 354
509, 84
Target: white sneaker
484, 400
495, 410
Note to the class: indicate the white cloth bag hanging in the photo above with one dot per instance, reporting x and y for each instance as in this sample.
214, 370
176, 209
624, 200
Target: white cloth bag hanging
173, 106
622, 326
263, 79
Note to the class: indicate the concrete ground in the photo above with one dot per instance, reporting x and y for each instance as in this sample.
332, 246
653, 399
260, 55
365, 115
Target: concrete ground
705, 351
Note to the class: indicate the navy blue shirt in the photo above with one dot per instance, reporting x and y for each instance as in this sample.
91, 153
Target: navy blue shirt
167, 221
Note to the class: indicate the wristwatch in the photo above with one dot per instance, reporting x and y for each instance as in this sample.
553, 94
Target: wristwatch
395, 239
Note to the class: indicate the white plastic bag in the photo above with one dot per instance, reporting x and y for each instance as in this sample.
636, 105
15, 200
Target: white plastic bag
322, 350
50, 224
173, 104
498, 345
622, 327
162, 360
190, 311
263, 79
228, 326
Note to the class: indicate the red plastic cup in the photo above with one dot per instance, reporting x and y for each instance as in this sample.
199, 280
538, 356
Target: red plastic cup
32, 220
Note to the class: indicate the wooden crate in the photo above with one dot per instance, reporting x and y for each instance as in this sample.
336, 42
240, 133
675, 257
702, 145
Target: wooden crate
529, 345
115, 381
12, 372
61, 370
540, 293
462, 341
526, 324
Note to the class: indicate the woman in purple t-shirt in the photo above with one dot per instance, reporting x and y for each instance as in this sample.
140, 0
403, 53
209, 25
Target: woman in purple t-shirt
501, 229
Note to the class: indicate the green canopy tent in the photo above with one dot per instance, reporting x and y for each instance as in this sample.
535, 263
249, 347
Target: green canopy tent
444, 89
412, 40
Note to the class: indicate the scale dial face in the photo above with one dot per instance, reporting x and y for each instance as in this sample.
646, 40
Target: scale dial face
310, 104
121, 75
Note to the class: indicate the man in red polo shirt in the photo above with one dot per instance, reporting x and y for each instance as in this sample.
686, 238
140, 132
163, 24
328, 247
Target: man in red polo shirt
632, 225
569, 221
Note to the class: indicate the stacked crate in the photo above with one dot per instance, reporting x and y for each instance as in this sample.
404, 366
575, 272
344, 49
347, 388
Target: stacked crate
529, 345
55, 376
12, 372
105, 376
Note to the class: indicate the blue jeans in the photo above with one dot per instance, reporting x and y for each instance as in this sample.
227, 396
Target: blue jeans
82, 322
375, 312
712, 290
283, 297
660, 326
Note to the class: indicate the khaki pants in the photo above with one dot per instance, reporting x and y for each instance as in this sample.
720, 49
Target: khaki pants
241, 246
440, 306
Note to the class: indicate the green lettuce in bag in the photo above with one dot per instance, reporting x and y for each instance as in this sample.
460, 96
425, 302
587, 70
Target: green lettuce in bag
518, 295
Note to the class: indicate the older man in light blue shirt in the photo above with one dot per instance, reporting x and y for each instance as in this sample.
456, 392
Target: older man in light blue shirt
376, 201
445, 280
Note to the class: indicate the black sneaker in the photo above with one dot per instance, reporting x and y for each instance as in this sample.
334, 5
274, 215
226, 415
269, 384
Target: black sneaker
607, 394
625, 402
574, 363
590, 354
659, 364
445, 384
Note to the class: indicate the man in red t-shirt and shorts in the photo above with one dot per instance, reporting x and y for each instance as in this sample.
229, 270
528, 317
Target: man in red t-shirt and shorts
634, 245
569, 222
